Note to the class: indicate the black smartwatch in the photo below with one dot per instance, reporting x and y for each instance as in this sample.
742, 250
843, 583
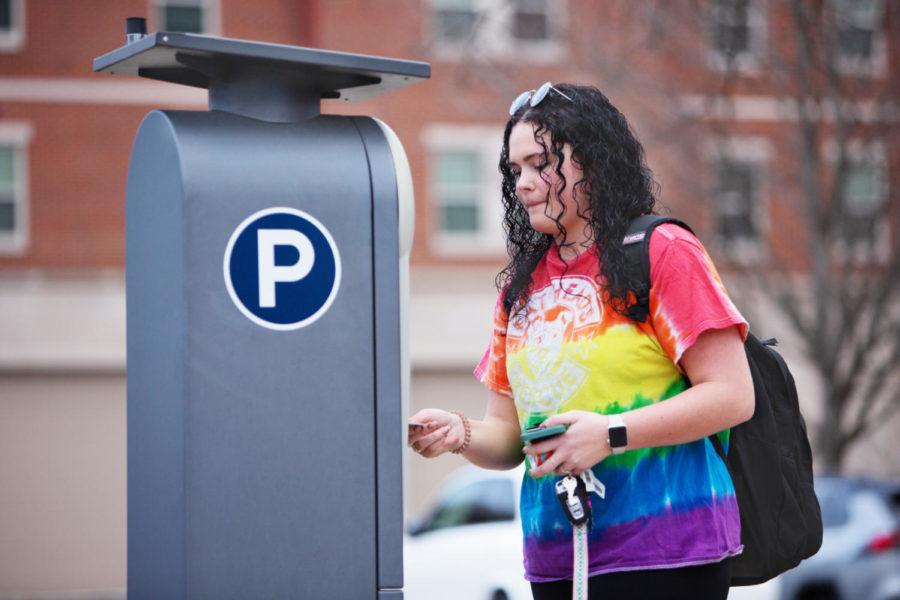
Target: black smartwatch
618, 434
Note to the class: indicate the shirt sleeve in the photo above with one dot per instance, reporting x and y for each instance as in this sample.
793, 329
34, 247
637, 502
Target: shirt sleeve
687, 296
491, 371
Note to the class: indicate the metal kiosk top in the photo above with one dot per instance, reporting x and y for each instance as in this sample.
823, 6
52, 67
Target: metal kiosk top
272, 82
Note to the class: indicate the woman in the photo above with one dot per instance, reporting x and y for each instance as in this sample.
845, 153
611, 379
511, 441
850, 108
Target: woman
564, 352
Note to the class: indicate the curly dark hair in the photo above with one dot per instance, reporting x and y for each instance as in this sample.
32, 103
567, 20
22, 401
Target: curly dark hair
616, 180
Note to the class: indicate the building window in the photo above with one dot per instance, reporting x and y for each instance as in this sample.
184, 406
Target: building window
457, 188
530, 29
738, 193
858, 36
861, 219
464, 189
736, 33
864, 191
531, 20
862, 198
188, 16
14, 139
8, 196
455, 20
12, 25
737, 196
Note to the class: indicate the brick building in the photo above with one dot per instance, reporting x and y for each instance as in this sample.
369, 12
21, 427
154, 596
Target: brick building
65, 139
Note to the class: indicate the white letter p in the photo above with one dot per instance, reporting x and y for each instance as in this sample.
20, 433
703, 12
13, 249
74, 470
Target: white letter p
269, 272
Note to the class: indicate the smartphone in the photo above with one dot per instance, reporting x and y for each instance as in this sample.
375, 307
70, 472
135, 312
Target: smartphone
533, 434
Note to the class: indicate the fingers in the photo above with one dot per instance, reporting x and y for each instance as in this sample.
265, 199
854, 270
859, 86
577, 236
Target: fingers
417, 430
432, 417
429, 420
546, 453
445, 439
428, 436
551, 464
435, 444
566, 418
560, 453
546, 446
437, 435
558, 467
555, 464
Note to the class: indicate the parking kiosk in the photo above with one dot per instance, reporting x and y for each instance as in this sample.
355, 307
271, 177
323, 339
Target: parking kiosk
266, 263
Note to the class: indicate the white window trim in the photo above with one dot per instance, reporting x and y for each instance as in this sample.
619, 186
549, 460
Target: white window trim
14, 39
19, 135
212, 14
865, 152
758, 152
486, 142
752, 60
771, 109
493, 40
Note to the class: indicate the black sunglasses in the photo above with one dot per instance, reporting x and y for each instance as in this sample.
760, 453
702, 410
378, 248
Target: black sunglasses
534, 96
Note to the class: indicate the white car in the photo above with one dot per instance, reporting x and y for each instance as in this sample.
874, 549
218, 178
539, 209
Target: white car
470, 543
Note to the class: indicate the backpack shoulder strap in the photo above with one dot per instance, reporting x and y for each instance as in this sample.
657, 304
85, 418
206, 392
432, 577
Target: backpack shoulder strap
637, 254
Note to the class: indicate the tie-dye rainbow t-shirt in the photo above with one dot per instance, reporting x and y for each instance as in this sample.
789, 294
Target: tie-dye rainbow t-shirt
665, 507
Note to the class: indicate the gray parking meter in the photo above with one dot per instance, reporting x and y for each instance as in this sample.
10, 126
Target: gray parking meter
266, 247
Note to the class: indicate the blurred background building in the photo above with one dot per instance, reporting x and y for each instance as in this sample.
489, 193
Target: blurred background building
772, 127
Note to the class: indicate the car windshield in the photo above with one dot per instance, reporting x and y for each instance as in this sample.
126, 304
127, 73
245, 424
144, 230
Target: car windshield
834, 510
835, 495
479, 502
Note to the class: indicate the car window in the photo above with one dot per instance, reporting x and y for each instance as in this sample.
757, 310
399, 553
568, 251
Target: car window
893, 501
834, 510
479, 502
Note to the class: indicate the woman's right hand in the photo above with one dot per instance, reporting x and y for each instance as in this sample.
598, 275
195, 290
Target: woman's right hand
443, 432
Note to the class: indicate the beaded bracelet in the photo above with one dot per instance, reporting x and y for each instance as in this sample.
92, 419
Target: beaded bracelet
468, 428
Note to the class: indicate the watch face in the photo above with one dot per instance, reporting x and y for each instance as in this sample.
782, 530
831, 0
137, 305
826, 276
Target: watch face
618, 437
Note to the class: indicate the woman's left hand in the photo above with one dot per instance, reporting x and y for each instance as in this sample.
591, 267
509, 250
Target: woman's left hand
581, 447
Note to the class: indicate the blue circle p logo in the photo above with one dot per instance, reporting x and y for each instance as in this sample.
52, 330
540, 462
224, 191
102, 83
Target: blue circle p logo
282, 268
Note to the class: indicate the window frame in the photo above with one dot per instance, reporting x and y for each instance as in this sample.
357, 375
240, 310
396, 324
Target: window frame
871, 153
755, 152
212, 14
867, 66
749, 60
460, 194
13, 39
18, 136
485, 142
494, 39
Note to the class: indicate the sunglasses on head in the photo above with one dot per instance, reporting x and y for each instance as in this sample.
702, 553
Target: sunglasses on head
534, 97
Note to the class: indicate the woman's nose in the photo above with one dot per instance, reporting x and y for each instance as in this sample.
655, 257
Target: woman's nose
524, 182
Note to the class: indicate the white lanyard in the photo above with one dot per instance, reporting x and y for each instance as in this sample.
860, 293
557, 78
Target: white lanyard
580, 565
580, 568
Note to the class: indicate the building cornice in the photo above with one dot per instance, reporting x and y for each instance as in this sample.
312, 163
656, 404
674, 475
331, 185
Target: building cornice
782, 109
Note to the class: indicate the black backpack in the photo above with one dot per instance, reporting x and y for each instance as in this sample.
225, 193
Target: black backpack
769, 456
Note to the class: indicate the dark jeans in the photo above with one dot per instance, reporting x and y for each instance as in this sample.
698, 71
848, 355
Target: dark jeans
703, 582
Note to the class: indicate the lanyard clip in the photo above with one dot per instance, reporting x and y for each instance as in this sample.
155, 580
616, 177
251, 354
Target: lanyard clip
593, 484
573, 496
